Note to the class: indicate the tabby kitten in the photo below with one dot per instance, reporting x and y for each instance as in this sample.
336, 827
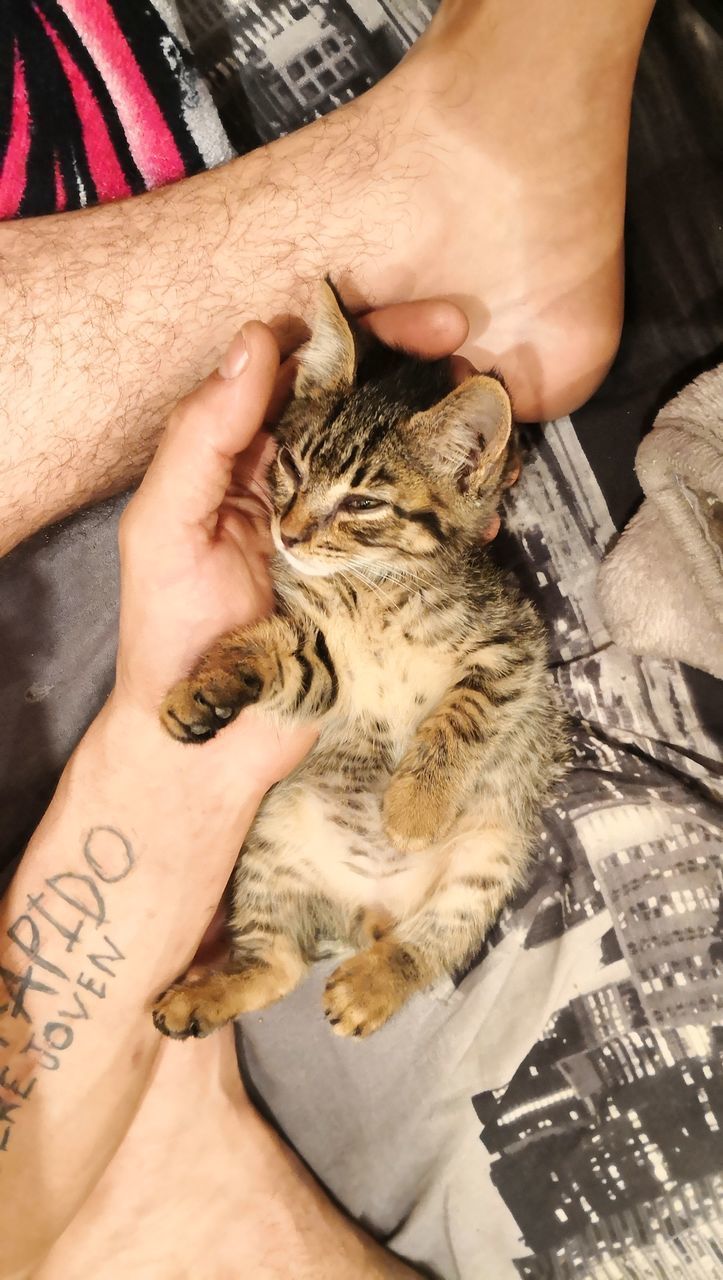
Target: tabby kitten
413, 818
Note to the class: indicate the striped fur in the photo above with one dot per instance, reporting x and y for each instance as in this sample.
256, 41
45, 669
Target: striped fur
413, 819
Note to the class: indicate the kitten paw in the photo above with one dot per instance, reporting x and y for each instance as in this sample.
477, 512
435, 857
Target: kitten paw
207, 999
182, 1013
413, 817
197, 708
363, 992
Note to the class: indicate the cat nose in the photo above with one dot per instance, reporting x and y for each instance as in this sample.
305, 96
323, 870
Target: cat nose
304, 533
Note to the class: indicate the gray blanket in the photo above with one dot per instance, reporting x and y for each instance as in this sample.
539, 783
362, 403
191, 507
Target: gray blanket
661, 588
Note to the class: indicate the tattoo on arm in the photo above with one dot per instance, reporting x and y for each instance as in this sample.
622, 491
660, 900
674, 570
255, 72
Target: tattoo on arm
71, 905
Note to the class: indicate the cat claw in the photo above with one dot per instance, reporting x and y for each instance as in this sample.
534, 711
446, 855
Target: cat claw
174, 1019
189, 716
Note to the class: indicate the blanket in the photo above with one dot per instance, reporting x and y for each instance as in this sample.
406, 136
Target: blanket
661, 588
99, 99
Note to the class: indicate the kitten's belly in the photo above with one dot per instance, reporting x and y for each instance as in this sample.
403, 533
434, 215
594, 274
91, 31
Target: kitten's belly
354, 867
398, 682
319, 821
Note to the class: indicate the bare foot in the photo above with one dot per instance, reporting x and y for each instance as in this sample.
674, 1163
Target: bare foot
200, 1186
489, 167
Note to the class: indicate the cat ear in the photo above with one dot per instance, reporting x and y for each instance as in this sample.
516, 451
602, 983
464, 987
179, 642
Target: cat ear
467, 433
328, 361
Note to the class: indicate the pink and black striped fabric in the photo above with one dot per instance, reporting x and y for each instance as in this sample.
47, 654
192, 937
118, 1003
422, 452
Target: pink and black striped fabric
98, 100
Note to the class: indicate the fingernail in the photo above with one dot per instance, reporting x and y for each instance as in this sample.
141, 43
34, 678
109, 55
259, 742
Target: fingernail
234, 360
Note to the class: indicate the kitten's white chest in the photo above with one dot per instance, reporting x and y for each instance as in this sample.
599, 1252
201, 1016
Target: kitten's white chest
387, 675
388, 684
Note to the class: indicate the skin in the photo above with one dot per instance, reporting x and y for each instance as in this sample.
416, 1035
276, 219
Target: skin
156, 827
449, 178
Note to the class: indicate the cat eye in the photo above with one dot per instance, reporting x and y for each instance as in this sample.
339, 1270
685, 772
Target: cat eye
286, 460
354, 503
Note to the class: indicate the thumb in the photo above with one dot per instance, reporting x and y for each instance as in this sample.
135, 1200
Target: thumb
190, 474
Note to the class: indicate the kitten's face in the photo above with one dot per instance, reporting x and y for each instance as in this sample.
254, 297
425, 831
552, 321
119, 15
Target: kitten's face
373, 479
346, 500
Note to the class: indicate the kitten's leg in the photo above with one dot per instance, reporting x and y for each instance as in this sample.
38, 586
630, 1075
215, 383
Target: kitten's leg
276, 918
273, 662
483, 869
451, 747
256, 974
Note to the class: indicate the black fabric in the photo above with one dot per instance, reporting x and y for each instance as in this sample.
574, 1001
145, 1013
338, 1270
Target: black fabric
673, 326
7, 55
38, 40
145, 31
674, 243
53, 110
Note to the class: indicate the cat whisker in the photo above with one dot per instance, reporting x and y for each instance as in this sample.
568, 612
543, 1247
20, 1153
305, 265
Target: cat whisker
399, 578
378, 573
396, 573
374, 571
367, 581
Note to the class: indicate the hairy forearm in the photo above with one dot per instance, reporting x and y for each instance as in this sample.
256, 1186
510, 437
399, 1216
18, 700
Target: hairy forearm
108, 906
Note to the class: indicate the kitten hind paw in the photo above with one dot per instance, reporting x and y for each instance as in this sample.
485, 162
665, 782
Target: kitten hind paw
361, 995
175, 1015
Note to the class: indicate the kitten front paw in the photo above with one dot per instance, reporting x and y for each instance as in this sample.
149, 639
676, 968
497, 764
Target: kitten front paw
415, 817
197, 708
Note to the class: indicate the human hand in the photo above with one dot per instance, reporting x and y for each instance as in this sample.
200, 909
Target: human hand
194, 539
